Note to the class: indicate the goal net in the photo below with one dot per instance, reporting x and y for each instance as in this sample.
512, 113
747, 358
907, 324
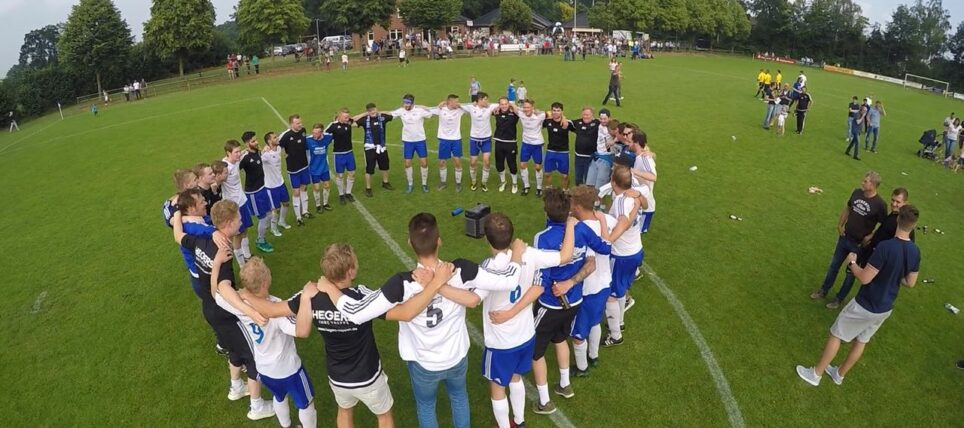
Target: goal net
926, 84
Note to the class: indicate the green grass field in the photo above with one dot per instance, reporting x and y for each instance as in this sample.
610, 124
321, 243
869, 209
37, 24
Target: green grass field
100, 326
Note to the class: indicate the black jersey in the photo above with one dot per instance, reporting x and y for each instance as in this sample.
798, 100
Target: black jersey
295, 149
587, 135
558, 136
506, 130
210, 197
253, 171
374, 129
341, 136
205, 250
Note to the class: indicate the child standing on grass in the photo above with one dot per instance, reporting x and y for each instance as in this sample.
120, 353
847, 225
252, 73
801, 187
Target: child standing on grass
344, 62
521, 93
781, 118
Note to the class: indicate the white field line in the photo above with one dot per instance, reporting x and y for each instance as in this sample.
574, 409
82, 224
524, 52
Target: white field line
38, 302
558, 417
28, 136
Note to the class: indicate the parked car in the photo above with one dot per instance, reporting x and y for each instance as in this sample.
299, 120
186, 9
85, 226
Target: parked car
339, 42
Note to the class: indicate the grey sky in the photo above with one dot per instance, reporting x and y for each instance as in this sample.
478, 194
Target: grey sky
21, 16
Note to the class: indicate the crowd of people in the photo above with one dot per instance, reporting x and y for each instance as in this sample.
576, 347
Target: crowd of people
780, 99
571, 283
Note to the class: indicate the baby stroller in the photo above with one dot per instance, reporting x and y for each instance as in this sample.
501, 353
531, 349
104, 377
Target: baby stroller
929, 140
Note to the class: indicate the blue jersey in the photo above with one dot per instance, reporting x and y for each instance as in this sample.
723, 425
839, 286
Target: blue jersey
195, 229
551, 239
511, 93
318, 154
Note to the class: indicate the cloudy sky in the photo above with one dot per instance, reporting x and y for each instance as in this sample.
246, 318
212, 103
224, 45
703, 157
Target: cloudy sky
21, 16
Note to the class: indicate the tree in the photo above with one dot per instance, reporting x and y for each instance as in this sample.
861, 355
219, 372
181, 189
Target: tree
95, 40
266, 21
632, 15
476, 8
934, 23
39, 48
956, 44
428, 14
547, 8
515, 16
178, 26
565, 11
773, 22
357, 16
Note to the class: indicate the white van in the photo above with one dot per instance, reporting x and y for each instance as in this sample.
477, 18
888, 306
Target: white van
339, 42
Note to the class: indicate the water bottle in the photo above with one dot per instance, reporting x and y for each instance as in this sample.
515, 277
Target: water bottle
951, 308
456, 212
929, 281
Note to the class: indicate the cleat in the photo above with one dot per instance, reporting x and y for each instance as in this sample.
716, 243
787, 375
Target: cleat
544, 409
284, 225
264, 246
538, 193
612, 342
593, 362
819, 294
237, 394
307, 215
474, 186
387, 186
350, 197
580, 373
458, 187
566, 392
639, 272
318, 209
485, 188
502, 187
424, 188
266, 411
368, 192
301, 222
441, 187
342, 199
408, 189
275, 231
525, 191
327, 207
833, 305
221, 351
515, 189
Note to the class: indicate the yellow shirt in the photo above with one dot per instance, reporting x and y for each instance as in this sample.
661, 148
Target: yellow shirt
760, 77
779, 78
767, 78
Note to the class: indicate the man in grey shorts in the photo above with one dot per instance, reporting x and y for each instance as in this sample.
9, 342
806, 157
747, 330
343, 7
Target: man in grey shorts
895, 263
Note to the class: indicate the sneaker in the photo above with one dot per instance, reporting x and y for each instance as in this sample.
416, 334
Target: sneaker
424, 188
544, 409
301, 222
306, 215
502, 186
525, 191
318, 209
350, 197
819, 294
275, 231
221, 351
834, 304
538, 193
808, 376
474, 186
515, 189
593, 362
284, 225
484, 187
368, 192
629, 303
458, 187
264, 246
580, 373
342, 199
835, 376
387, 186
612, 342
565, 392
327, 207
441, 187
239, 393
266, 411
408, 189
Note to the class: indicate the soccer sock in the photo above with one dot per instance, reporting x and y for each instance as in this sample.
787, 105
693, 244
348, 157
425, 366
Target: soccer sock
304, 201
515, 179
308, 416
283, 218
517, 397
485, 175
612, 319
539, 179
501, 410
458, 175
582, 363
340, 186
262, 229
256, 403
317, 194
237, 383
245, 248
472, 174
408, 175
443, 174
543, 394
595, 334
525, 177
501, 176
425, 176
282, 411
563, 377
622, 310
350, 181
296, 201
274, 220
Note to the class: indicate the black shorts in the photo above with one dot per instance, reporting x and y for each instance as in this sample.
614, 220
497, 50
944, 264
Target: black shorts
231, 336
552, 325
372, 158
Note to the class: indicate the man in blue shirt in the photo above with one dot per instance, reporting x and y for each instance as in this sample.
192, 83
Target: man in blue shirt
873, 124
510, 92
317, 145
895, 263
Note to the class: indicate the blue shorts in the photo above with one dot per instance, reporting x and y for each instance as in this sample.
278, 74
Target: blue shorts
300, 178
259, 202
246, 213
480, 145
590, 313
448, 149
297, 385
344, 162
409, 148
498, 365
318, 178
646, 218
198, 287
279, 195
557, 161
531, 151
624, 270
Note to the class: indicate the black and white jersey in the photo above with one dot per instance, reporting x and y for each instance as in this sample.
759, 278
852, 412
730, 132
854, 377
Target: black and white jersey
295, 149
558, 135
506, 130
587, 136
210, 197
253, 171
205, 250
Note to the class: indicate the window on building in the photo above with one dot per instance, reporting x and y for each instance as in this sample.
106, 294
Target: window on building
371, 36
453, 29
394, 34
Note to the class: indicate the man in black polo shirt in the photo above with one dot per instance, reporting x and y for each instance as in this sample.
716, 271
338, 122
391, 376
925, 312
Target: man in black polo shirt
863, 212
557, 148
803, 104
373, 122
852, 110
296, 157
506, 142
259, 201
587, 134
344, 158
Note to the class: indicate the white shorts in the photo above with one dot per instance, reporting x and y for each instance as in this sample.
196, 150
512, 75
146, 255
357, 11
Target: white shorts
856, 322
377, 396
781, 119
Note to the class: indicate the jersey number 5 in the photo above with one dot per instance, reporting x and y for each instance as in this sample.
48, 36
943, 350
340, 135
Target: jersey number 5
435, 316
257, 332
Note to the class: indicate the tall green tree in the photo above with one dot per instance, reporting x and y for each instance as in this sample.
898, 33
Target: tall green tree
773, 24
476, 8
631, 15
429, 14
515, 16
39, 47
262, 22
956, 44
95, 40
357, 16
934, 24
178, 26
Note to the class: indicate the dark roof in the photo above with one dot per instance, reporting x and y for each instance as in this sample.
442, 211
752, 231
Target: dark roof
490, 19
461, 19
582, 21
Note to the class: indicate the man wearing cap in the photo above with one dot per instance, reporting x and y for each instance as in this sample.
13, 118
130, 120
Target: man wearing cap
413, 138
376, 154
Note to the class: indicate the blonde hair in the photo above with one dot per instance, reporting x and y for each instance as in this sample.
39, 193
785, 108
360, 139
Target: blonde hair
224, 212
184, 179
583, 196
255, 274
338, 260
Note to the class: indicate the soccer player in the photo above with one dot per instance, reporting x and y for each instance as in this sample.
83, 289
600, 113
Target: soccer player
480, 137
183, 179
189, 202
557, 149
644, 171
449, 139
206, 181
279, 366
318, 168
259, 200
506, 142
220, 170
627, 250
376, 154
232, 191
602, 159
413, 138
557, 306
271, 159
340, 131
510, 92
296, 157
532, 142
895, 263
587, 136
230, 333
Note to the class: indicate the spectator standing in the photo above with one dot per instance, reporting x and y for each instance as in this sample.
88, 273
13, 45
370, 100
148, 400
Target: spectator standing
951, 134
858, 120
771, 100
256, 62
852, 111
127, 92
613, 87
803, 105
344, 62
13, 121
873, 124
474, 88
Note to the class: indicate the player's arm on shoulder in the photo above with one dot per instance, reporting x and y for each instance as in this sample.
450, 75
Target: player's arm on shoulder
531, 295
374, 304
303, 319
267, 308
596, 243
486, 278
431, 283
178, 226
221, 284
464, 297
568, 241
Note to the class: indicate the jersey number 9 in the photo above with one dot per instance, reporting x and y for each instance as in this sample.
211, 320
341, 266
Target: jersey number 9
257, 332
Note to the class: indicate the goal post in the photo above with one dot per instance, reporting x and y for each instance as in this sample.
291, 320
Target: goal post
926, 84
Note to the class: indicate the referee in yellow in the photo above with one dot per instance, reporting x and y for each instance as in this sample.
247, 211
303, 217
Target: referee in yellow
759, 82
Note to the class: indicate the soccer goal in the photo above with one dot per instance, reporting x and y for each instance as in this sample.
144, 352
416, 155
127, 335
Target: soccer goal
927, 84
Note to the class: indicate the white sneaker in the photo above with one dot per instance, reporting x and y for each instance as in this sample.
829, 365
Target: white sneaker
834, 373
284, 225
275, 231
266, 411
239, 393
808, 375
515, 189
502, 187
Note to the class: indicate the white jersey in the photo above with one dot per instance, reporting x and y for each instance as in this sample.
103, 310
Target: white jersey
449, 122
629, 242
532, 128
521, 93
413, 123
231, 188
600, 278
647, 164
803, 79
271, 163
601, 141
521, 328
273, 345
481, 119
